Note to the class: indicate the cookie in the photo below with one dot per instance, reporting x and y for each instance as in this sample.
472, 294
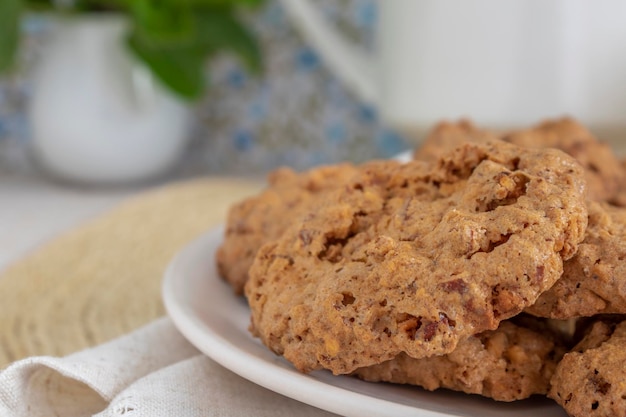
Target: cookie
603, 171
620, 198
416, 257
591, 380
448, 135
594, 280
264, 217
506, 364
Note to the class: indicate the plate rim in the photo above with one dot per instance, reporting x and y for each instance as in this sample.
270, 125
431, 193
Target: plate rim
266, 373
196, 332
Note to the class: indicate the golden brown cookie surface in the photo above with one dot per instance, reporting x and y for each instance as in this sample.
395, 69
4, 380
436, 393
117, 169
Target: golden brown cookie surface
590, 380
506, 364
602, 168
620, 198
603, 171
594, 280
449, 135
264, 217
415, 257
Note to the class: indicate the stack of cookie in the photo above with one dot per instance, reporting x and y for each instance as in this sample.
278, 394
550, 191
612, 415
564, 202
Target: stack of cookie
449, 270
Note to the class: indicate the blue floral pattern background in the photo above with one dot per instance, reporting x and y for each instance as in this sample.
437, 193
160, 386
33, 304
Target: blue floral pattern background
296, 113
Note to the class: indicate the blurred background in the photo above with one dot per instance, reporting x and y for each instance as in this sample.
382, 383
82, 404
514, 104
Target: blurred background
100, 99
244, 122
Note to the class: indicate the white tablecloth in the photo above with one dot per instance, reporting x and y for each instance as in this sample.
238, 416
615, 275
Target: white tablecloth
153, 371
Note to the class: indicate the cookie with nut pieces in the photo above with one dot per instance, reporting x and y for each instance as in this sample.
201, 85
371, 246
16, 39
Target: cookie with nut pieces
510, 363
589, 380
263, 217
414, 258
594, 280
604, 173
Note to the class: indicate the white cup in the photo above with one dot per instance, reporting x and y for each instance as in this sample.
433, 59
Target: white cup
504, 64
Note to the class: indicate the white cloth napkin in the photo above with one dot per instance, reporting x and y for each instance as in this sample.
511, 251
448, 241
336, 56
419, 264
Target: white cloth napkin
152, 372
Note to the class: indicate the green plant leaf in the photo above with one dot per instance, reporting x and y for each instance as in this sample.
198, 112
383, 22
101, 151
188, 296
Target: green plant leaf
37, 5
10, 11
174, 38
99, 5
219, 29
250, 3
226, 3
163, 22
180, 69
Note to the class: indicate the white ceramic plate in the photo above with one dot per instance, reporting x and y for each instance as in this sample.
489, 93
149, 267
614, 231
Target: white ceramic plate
207, 312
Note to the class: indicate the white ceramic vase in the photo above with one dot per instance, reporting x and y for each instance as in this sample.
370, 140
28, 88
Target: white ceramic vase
98, 115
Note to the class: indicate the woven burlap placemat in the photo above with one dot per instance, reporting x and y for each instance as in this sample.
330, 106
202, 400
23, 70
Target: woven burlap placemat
103, 279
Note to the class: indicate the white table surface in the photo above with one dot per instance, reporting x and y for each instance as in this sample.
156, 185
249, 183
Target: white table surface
34, 210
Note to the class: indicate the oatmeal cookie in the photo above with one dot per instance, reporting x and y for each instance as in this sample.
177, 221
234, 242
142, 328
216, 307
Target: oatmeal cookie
594, 280
506, 364
264, 217
620, 198
591, 380
604, 173
416, 257
449, 135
